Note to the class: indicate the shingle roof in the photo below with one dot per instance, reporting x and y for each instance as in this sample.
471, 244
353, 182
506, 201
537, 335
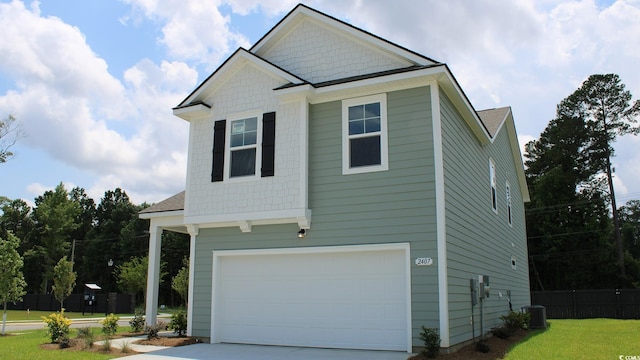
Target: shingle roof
174, 203
493, 118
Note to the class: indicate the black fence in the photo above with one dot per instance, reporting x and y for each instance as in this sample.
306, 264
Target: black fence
586, 304
104, 303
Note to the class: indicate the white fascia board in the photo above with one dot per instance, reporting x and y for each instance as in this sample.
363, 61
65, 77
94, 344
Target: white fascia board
517, 158
302, 217
162, 214
192, 112
456, 95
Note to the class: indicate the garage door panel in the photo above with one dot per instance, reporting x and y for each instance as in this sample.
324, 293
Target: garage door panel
338, 300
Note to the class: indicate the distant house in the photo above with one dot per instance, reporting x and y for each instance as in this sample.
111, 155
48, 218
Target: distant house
343, 192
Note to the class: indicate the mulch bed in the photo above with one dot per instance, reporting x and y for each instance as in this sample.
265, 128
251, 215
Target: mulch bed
497, 349
78, 344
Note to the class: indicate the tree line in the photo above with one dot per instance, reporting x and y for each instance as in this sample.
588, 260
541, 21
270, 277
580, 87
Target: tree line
578, 237
106, 242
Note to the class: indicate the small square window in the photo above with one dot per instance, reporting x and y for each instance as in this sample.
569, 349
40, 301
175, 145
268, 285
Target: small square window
364, 146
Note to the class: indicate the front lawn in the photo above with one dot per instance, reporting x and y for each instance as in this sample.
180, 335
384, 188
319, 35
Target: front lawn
26, 346
581, 339
35, 315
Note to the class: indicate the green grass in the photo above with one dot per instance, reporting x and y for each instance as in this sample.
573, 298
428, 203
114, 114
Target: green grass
35, 315
580, 339
26, 346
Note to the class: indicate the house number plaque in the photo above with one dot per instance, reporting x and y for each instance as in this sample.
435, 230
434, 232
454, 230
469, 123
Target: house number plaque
424, 261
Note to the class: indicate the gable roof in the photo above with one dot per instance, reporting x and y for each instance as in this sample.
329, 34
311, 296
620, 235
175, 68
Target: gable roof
301, 11
497, 119
174, 203
493, 119
217, 78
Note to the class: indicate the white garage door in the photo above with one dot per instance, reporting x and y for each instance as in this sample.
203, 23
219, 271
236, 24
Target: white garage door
324, 297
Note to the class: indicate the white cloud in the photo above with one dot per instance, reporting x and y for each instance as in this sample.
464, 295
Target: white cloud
74, 109
192, 29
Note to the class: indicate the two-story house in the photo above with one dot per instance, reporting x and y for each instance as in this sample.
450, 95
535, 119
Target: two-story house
342, 192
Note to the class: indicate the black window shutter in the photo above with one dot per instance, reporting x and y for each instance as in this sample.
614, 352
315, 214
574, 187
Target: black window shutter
268, 143
217, 173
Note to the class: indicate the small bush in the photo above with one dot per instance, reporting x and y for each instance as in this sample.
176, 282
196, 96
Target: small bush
126, 348
501, 332
516, 320
431, 340
106, 345
153, 330
64, 342
86, 334
137, 322
57, 326
483, 346
178, 323
110, 325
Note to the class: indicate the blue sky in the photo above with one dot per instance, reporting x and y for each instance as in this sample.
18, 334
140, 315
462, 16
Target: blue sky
93, 82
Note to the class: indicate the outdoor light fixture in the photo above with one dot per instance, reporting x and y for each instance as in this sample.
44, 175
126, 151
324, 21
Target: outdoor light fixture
302, 233
110, 262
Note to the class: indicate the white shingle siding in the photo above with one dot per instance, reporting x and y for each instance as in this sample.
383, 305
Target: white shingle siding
316, 53
249, 89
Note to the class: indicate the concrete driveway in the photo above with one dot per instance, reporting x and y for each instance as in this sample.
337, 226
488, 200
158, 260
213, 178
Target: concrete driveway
260, 352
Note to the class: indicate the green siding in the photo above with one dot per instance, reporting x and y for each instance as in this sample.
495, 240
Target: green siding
393, 206
479, 241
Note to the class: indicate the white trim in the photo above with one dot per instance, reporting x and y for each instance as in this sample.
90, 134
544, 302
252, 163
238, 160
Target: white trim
384, 148
193, 235
441, 238
153, 274
253, 218
217, 254
303, 154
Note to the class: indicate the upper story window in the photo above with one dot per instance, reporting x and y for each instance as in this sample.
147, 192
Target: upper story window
494, 183
244, 147
509, 215
364, 134
243, 137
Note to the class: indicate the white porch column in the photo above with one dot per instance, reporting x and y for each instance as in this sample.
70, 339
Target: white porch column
193, 232
153, 274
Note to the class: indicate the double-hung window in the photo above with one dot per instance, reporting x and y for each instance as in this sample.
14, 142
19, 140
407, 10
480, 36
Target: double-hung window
364, 134
243, 147
509, 215
494, 184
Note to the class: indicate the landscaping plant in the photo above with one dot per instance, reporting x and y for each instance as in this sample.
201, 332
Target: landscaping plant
110, 325
178, 323
431, 340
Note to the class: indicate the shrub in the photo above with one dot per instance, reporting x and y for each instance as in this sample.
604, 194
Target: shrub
431, 340
178, 323
110, 325
137, 322
106, 345
64, 342
86, 334
126, 348
501, 332
57, 326
153, 330
483, 346
516, 320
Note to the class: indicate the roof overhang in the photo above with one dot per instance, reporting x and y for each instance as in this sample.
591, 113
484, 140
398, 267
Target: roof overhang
423, 76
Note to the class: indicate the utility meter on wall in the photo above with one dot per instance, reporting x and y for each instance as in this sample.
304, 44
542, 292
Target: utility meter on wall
484, 286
